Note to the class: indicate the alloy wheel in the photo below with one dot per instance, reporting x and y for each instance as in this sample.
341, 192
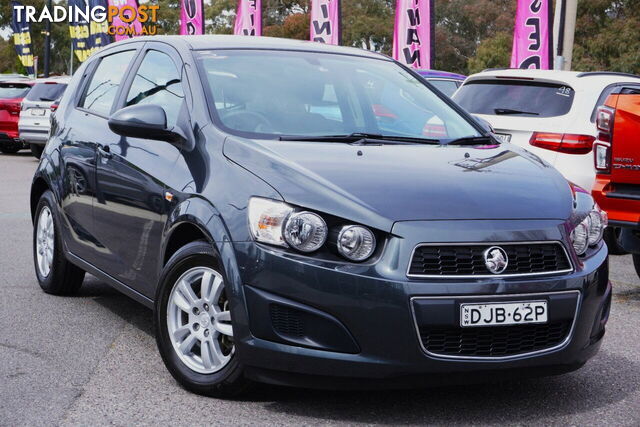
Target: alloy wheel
199, 320
45, 241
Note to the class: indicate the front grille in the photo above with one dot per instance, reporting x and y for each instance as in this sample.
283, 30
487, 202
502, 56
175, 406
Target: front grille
287, 321
497, 341
468, 260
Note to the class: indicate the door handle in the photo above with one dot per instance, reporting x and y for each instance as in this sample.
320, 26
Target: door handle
104, 151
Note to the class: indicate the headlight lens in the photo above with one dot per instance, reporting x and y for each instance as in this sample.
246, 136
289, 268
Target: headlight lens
596, 229
305, 231
266, 219
356, 242
590, 231
580, 238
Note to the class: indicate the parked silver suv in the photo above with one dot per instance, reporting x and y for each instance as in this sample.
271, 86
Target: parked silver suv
36, 110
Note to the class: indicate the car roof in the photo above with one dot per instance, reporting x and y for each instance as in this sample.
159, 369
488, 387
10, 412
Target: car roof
204, 42
29, 82
572, 78
54, 79
442, 74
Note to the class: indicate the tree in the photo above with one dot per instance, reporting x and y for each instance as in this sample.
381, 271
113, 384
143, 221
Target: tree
494, 52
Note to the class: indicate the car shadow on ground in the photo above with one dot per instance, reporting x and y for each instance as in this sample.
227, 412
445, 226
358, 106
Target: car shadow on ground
600, 383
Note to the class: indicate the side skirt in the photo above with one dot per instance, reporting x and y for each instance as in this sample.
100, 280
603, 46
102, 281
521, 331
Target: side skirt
118, 285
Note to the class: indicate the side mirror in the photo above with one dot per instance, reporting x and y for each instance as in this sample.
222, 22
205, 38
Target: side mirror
144, 121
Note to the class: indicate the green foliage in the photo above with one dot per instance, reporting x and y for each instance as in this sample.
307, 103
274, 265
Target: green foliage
494, 52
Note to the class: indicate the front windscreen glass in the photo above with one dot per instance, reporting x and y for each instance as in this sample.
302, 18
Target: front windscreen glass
515, 98
258, 93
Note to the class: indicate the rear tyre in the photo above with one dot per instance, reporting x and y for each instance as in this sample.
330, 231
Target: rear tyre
55, 274
37, 150
10, 148
636, 263
611, 236
193, 323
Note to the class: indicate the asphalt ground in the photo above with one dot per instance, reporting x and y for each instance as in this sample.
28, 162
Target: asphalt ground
92, 359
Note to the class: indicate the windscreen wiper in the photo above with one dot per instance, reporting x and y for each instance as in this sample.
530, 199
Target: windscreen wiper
509, 111
362, 138
473, 140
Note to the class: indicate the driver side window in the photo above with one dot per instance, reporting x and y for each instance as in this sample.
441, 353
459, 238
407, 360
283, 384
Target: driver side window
158, 82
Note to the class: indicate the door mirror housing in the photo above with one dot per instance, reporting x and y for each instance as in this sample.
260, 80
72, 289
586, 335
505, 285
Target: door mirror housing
146, 121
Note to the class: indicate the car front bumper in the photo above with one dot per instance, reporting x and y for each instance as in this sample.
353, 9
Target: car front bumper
360, 325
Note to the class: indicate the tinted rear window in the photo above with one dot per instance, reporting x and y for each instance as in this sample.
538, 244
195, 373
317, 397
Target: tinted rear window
13, 90
515, 98
46, 91
448, 87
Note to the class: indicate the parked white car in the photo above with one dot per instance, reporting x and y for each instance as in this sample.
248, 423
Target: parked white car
36, 110
550, 113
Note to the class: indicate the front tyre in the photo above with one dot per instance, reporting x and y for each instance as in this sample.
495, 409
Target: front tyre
193, 324
55, 274
36, 150
636, 263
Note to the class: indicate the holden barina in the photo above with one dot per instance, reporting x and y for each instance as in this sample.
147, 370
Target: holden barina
288, 214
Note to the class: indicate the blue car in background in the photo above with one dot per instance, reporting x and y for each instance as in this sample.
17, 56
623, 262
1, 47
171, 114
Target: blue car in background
446, 82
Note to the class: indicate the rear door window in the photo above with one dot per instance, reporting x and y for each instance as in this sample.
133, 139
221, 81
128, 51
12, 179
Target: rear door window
46, 92
515, 98
104, 84
13, 90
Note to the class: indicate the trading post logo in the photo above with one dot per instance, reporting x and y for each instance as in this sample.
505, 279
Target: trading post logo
124, 18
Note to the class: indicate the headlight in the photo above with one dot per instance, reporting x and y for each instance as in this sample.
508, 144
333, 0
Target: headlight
589, 231
266, 219
356, 242
580, 238
305, 231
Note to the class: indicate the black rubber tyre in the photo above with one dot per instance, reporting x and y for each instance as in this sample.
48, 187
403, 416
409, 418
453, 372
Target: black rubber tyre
64, 277
37, 150
10, 148
636, 263
225, 383
611, 235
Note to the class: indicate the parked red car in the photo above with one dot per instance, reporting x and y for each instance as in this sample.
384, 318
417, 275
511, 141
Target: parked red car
11, 94
617, 162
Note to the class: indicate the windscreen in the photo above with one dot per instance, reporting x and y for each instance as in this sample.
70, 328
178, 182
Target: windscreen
46, 91
258, 93
516, 98
13, 90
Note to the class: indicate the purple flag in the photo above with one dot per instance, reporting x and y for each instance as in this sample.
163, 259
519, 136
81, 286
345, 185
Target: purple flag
532, 40
192, 17
325, 21
412, 34
248, 18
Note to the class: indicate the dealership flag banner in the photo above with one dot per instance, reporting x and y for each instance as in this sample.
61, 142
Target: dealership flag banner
248, 18
412, 37
532, 40
325, 21
79, 30
191, 17
22, 40
98, 31
135, 25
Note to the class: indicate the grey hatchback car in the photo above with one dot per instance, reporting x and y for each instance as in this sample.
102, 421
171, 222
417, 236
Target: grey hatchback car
278, 205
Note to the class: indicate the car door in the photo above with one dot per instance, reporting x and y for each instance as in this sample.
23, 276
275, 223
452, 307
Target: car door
130, 207
82, 128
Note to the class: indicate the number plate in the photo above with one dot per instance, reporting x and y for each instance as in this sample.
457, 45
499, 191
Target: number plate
497, 314
37, 112
504, 137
